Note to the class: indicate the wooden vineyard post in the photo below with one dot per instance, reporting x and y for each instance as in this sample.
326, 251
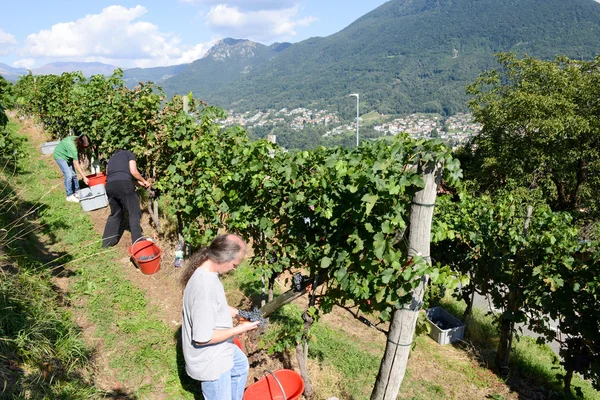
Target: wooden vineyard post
186, 104
404, 320
180, 239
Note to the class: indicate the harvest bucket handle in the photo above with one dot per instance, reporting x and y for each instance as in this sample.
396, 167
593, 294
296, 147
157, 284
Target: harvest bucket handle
133, 244
278, 383
148, 238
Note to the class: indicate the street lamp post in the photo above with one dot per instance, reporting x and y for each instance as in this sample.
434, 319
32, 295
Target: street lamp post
357, 101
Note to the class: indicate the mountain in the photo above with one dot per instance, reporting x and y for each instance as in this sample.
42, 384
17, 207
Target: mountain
10, 73
404, 56
227, 61
134, 76
87, 68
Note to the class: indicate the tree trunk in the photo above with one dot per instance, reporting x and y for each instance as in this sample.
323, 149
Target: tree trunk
263, 291
468, 296
288, 297
507, 319
567, 381
504, 347
155, 202
308, 390
180, 228
581, 179
156, 215
302, 348
561, 197
402, 327
153, 210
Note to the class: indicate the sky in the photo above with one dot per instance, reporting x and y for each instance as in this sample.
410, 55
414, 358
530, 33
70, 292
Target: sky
159, 32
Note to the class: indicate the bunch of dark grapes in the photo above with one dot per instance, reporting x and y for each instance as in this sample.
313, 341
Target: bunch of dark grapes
297, 279
253, 316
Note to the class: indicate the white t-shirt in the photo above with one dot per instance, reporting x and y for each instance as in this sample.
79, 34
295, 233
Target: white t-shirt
204, 310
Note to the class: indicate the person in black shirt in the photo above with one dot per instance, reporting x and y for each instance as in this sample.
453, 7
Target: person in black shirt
121, 195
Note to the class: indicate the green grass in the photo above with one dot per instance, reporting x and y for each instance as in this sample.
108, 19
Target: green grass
531, 364
541, 366
141, 349
358, 367
42, 352
371, 117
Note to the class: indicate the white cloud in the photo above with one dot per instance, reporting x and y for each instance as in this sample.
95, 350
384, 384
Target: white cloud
256, 25
187, 55
7, 42
112, 33
115, 36
196, 52
119, 35
245, 5
27, 63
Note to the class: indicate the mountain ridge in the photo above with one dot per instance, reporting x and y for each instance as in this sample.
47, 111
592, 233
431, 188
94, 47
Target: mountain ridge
225, 62
133, 76
406, 56
86, 68
11, 73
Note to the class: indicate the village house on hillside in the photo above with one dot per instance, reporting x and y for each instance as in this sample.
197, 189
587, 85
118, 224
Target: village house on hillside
457, 129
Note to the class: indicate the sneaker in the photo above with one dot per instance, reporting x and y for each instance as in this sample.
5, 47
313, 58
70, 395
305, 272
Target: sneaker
77, 195
72, 199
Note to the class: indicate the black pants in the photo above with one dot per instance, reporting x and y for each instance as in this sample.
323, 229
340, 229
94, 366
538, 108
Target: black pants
122, 195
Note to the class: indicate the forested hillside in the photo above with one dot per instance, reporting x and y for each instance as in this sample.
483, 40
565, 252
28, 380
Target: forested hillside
225, 62
10, 73
405, 56
134, 76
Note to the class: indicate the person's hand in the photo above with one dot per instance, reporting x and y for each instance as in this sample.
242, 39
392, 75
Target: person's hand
86, 180
246, 326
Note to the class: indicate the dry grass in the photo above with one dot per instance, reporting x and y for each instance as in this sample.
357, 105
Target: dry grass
448, 372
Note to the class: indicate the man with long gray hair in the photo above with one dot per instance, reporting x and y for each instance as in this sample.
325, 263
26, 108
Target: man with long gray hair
210, 355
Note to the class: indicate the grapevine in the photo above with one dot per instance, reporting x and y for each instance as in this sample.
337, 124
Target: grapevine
337, 214
356, 201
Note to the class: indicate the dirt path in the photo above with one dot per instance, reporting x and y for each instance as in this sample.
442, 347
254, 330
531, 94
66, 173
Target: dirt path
162, 289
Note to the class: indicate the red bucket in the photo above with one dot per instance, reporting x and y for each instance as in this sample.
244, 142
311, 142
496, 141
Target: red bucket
145, 255
269, 387
97, 179
238, 343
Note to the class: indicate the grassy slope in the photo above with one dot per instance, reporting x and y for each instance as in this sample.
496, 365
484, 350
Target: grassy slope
344, 363
42, 354
140, 349
532, 365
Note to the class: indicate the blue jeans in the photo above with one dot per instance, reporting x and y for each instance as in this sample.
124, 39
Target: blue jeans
71, 181
231, 384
